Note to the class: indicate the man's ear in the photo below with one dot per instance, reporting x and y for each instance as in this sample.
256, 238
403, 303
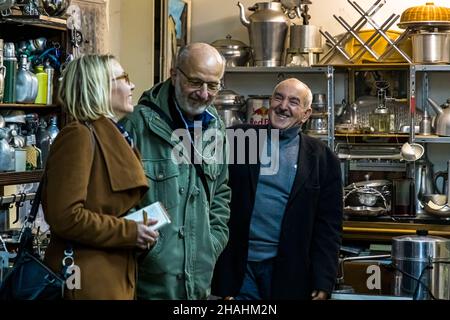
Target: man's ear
307, 115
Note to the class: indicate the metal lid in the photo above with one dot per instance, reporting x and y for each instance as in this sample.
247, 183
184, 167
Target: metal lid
9, 50
426, 14
229, 43
420, 247
228, 98
381, 110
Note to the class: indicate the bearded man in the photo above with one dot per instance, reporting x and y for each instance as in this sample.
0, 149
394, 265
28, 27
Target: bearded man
182, 142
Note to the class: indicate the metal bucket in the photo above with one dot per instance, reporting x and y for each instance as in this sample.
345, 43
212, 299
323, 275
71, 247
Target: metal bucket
423, 266
305, 38
431, 47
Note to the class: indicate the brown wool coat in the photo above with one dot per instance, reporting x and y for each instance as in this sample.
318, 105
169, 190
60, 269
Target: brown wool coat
84, 196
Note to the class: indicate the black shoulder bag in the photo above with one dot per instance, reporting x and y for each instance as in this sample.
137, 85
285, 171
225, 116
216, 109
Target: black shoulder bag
30, 278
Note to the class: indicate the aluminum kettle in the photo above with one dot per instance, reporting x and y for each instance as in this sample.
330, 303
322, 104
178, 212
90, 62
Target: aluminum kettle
442, 123
267, 30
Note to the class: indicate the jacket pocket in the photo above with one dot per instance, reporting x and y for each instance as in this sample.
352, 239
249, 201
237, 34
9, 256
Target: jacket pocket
163, 184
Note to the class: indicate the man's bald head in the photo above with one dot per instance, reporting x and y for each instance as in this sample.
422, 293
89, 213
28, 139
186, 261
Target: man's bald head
201, 54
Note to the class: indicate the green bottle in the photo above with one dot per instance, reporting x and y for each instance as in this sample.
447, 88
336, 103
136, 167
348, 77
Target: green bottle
10, 63
42, 77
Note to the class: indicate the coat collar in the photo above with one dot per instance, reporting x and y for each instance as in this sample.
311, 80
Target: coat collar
124, 172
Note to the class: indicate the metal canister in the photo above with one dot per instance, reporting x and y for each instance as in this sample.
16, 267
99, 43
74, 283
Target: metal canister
423, 266
2, 72
50, 73
258, 109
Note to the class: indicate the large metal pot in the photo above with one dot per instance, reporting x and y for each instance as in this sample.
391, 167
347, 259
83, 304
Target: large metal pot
431, 47
423, 266
235, 52
267, 30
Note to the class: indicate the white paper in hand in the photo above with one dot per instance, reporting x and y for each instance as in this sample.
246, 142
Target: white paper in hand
155, 211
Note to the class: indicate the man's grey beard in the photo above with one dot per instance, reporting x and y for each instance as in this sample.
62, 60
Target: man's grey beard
184, 104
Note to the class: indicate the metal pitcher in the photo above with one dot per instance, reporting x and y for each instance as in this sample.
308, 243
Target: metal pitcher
267, 29
424, 183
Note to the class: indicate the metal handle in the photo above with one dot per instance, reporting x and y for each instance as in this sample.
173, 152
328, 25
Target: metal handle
367, 189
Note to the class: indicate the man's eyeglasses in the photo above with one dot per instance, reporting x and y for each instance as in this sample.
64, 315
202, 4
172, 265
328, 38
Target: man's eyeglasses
123, 76
195, 83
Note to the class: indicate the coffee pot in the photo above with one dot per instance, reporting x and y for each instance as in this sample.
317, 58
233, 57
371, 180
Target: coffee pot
267, 29
424, 183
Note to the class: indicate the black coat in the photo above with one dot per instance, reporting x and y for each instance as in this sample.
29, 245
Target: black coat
311, 228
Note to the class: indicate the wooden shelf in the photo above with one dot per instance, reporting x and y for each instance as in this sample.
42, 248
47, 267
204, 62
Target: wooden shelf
372, 66
37, 21
27, 106
373, 135
385, 231
12, 178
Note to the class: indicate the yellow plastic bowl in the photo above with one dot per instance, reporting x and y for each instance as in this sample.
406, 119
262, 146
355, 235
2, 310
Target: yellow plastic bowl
380, 46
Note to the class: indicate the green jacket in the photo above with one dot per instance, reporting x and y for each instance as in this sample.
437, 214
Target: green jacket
181, 263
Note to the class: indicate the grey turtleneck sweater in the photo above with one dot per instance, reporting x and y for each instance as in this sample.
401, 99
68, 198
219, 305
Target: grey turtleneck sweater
272, 194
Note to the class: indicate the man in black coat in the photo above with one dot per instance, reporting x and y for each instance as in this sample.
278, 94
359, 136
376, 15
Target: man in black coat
286, 207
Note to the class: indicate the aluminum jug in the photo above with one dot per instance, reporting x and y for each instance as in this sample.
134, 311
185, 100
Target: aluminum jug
267, 30
26, 83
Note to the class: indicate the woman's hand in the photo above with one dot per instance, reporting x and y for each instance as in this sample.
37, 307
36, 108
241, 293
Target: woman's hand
146, 238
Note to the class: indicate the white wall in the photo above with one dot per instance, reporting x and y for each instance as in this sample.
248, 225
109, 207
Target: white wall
131, 40
214, 19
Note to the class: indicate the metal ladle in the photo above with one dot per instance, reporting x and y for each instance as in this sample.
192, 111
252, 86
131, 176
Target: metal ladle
411, 151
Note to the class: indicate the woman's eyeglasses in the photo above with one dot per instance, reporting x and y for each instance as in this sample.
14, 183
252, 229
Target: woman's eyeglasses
123, 76
195, 83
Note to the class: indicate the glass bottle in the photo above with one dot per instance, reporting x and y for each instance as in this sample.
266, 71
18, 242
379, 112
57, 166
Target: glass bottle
381, 119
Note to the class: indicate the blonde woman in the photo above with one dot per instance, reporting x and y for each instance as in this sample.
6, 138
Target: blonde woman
93, 177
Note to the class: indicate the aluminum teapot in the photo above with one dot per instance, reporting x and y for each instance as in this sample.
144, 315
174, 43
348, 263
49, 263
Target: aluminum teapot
267, 29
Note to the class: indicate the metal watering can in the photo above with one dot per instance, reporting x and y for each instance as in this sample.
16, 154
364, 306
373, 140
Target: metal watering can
442, 122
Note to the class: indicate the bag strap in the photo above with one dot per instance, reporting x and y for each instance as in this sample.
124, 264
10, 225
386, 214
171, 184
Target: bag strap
197, 166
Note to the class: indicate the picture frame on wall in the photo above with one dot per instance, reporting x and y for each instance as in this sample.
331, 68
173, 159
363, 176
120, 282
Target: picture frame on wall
176, 32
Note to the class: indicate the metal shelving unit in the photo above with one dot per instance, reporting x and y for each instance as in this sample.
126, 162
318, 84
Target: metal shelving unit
431, 139
287, 72
414, 69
